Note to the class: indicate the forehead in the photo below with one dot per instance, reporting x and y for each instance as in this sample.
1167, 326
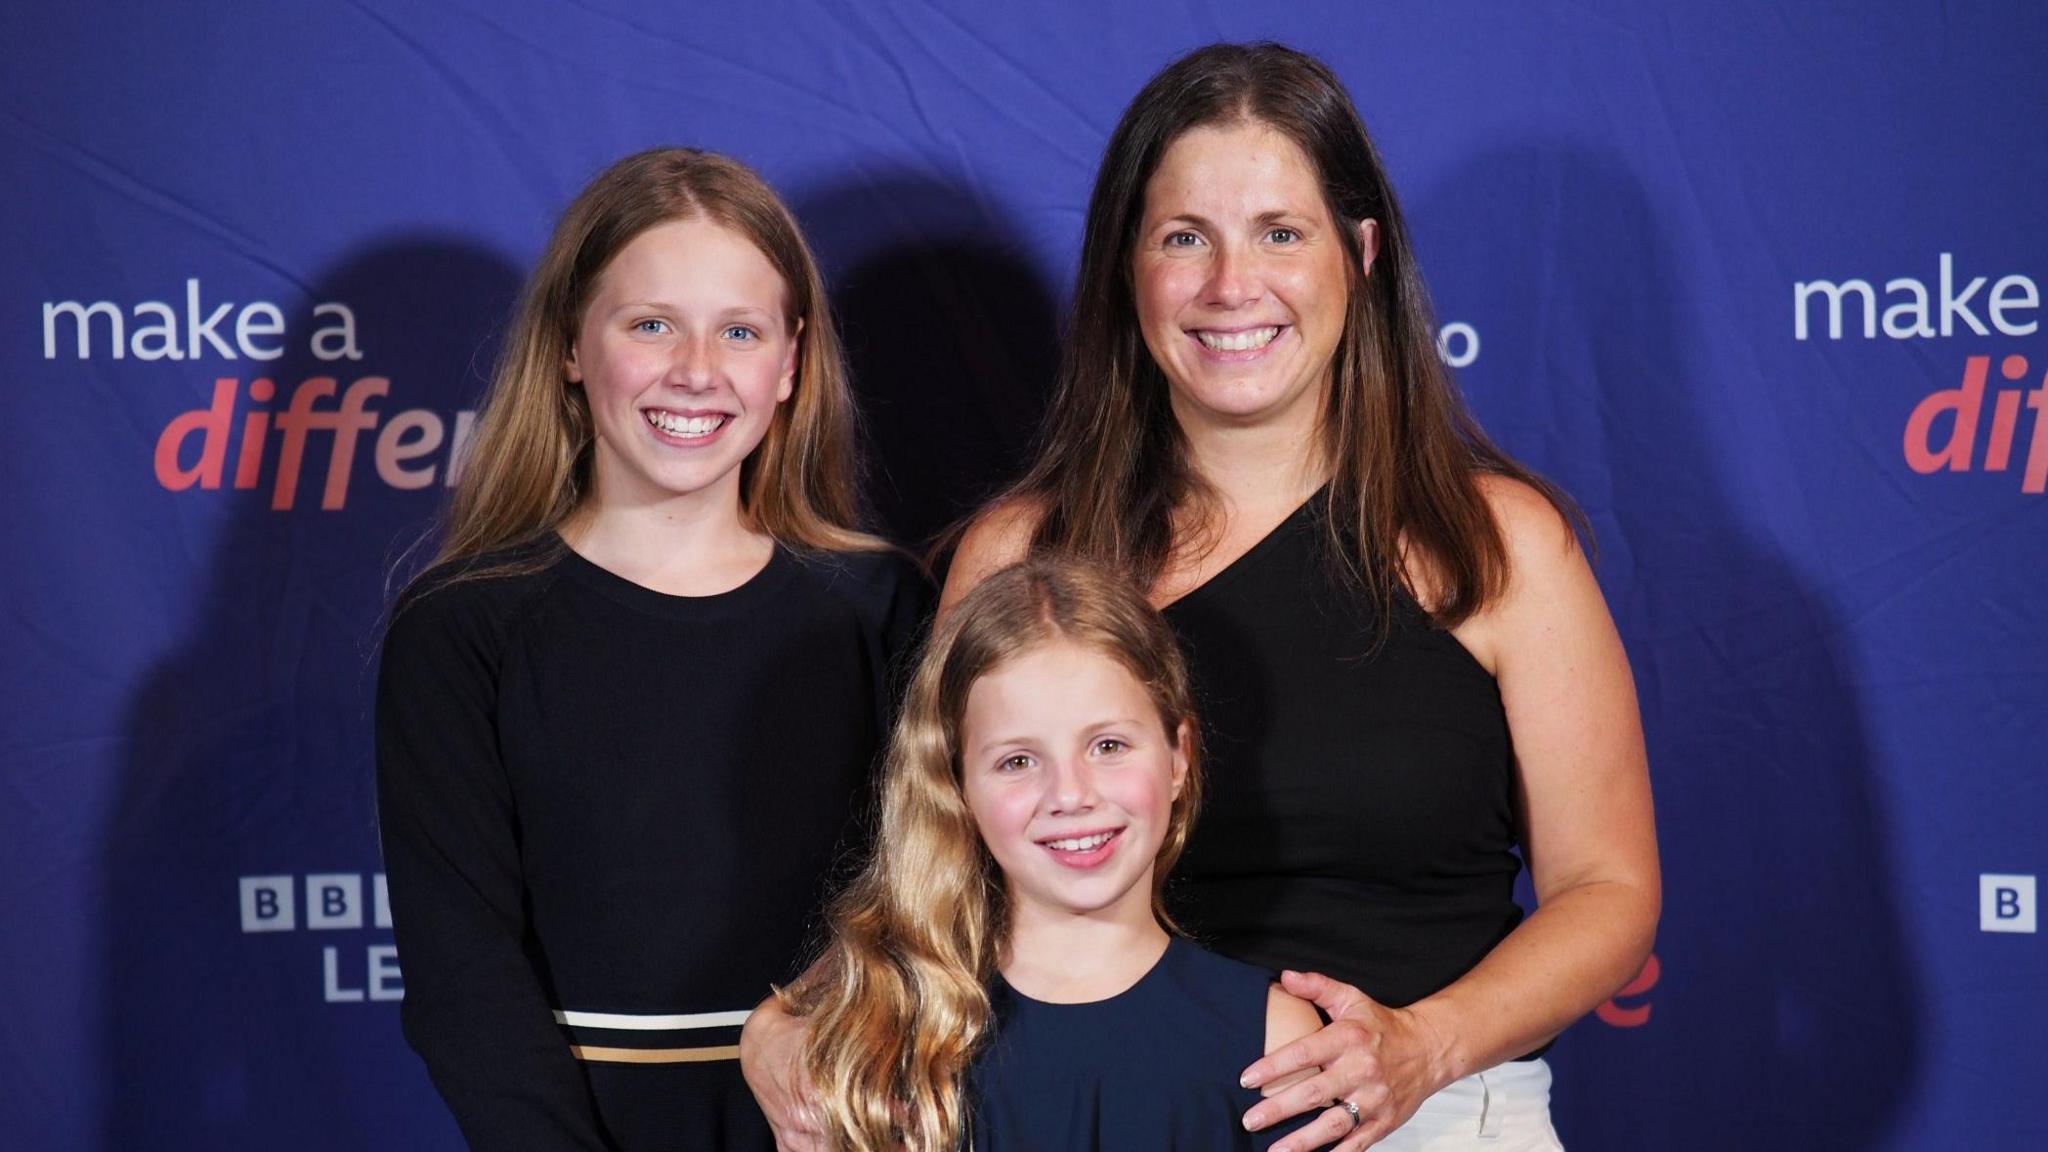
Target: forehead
1056, 682
1223, 171
694, 252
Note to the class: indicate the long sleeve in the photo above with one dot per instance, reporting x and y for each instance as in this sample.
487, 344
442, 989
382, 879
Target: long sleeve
474, 1007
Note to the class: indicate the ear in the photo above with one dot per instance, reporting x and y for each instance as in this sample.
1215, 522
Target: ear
787, 387
570, 371
1180, 759
1369, 243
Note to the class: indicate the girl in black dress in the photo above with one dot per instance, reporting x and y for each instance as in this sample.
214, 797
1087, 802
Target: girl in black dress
622, 720
1002, 975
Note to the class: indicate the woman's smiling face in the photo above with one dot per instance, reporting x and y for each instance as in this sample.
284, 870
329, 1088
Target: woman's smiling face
1241, 278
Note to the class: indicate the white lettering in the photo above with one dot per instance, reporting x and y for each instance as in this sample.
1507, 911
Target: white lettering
386, 982
331, 989
82, 314
246, 329
197, 330
1806, 290
343, 330
1466, 336
1953, 305
1913, 309
2029, 297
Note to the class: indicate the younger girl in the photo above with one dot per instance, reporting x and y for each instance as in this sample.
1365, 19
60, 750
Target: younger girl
622, 720
1002, 975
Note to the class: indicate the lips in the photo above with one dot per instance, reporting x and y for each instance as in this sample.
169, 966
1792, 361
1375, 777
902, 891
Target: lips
1084, 850
1235, 345
686, 427
1237, 340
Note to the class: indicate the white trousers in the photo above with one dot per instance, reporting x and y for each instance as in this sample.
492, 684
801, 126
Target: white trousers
1503, 1109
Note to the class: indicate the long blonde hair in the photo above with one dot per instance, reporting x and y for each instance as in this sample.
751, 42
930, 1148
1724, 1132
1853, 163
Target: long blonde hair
529, 466
898, 1004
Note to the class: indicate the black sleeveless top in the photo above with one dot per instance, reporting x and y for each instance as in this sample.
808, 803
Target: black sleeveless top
1358, 815
1154, 1067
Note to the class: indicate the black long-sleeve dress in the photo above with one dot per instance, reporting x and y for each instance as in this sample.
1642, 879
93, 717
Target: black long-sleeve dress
608, 815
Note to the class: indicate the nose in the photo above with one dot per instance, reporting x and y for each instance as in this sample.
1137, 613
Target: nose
1233, 279
694, 366
1070, 786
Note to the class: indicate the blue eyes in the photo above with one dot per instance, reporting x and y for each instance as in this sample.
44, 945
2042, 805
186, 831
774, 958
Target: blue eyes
738, 333
1283, 235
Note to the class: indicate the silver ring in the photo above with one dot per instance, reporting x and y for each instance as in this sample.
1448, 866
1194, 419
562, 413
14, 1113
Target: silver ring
1351, 1108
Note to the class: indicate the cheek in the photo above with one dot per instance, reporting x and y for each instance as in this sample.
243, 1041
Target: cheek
1001, 814
1159, 291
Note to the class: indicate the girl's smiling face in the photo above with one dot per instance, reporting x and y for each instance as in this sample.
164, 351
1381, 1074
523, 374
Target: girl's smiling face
684, 353
1071, 777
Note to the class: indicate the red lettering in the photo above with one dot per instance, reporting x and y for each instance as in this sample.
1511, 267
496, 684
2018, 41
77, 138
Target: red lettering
212, 423
1964, 401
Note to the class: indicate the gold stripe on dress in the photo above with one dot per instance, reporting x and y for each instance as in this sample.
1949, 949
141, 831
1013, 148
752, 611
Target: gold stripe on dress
653, 1055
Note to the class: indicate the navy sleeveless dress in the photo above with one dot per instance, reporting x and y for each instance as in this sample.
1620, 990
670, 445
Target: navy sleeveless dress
1151, 1069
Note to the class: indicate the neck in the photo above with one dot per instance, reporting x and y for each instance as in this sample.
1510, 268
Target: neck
1063, 958
1260, 466
697, 544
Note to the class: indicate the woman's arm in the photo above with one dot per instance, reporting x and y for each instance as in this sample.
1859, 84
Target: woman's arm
473, 1008
1589, 840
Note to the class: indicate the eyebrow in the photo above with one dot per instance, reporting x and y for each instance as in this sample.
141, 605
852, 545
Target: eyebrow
1269, 216
665, 306
1091, 731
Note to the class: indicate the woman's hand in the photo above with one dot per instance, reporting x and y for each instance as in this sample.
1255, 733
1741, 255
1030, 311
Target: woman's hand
771, 1058
1386, 1061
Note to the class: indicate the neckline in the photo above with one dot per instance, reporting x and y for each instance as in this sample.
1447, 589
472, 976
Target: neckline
1230, 572
1173, 944
749, 593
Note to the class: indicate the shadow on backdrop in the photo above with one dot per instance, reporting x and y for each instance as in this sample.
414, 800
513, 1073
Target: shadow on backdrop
1788, 1012
952, 335
250, 755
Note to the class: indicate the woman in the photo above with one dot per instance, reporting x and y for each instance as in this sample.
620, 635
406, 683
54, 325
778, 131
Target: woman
1405, 666
622, 720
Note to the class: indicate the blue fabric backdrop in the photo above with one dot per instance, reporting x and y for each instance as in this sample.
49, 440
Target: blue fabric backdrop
1642, 215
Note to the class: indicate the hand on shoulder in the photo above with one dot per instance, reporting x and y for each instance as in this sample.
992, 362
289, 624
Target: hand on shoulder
1288, 1018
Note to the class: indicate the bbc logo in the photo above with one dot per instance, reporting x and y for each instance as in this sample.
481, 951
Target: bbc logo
333, 900
2005, 903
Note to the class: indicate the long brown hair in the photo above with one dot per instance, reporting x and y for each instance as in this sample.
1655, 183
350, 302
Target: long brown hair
1111, 477
899, 1004
529, 466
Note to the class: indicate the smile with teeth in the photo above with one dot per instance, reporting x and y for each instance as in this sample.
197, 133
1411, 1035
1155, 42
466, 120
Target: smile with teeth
687, 427
1080, 843
1246, 340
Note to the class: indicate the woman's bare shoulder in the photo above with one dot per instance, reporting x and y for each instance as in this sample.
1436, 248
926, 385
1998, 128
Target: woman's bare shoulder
997, 537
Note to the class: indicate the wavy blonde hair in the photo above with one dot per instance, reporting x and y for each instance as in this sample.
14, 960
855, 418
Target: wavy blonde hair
898, 1004
529, 466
